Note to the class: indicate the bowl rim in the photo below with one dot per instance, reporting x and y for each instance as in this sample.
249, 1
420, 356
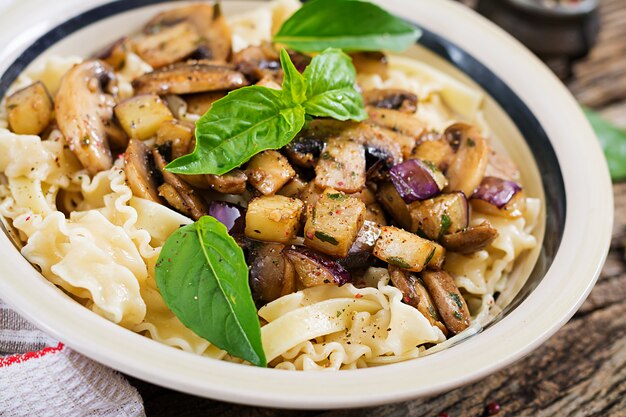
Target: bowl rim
512, 337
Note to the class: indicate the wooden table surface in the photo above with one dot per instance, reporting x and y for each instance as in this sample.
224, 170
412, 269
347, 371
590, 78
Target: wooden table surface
580, 371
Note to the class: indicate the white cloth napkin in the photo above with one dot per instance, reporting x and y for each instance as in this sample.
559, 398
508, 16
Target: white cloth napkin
42, 377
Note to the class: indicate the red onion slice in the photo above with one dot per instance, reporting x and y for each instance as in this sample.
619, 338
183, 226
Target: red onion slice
496, 191
231, 215
416, 180
316, 269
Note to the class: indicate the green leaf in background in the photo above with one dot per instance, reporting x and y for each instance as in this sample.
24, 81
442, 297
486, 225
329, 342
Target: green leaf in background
330, 87
348, 24
613, 141
245, 122
203, 278
294, 84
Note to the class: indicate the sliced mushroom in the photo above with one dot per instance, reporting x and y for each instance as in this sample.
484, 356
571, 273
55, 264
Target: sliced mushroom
167, 46
207, 20
142, 176
397, 121
271, 274
371, 136
304, 150
468, 166
115, 53
414, 294
201, 103
392, 99
435, 149
174, 199
84, 110
471, 239
194, 203
178, 135
370, 63
258, 62
501, 166
448, 299
233, 182
189, 77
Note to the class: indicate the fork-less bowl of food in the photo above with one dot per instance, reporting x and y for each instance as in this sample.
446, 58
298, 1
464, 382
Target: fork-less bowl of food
207, 196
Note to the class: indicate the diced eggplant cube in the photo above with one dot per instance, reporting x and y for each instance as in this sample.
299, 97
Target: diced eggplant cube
404, 249
341, 166
178, 134
439, 255
441, 215
375, 214
273, 218
141, 116
333, 223
293, 188
439, 152
394, 204
499, 197
29, 110
268, 171
417, 180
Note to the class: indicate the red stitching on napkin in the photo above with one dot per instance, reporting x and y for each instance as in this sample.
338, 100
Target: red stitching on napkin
21, 358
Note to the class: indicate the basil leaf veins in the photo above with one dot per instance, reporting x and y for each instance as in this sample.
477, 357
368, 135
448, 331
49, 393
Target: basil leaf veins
330, 89
203, 278
245, 122
352, 25
252, 119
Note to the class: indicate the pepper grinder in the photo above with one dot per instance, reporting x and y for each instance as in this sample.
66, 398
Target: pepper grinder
557, 31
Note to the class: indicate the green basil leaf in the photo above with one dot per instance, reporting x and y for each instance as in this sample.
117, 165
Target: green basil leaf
237, 127
613, 141
330, 87
294, 84
348, 24
203, 278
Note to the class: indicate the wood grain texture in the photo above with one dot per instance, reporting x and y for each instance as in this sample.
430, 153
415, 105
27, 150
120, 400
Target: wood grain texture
581, 371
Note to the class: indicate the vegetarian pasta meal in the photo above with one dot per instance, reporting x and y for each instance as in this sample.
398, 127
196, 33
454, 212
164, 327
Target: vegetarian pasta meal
274, 188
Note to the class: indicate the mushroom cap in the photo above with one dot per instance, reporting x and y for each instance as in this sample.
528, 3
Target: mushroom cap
84, 113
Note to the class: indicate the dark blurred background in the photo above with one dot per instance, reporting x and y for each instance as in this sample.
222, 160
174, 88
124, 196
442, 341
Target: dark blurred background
561, 32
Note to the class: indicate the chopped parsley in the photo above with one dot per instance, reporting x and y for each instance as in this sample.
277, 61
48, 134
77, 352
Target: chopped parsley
399, 262
326, 238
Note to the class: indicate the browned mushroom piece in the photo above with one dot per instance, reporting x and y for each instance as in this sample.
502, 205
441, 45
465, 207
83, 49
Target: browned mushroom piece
84, 112
209, 23
177, 136
168, 45
397, 121
501, 166
115, 53
233, 182
471, 239
271, 274
370, 63
372, 137
468, 165
434, 148
142, 176
189, 198
174, 199
189, 77
201, 103
448, 300
392, 99
414, 294
258, 62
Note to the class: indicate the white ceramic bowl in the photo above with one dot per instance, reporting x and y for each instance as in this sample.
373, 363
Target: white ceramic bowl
524, 98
